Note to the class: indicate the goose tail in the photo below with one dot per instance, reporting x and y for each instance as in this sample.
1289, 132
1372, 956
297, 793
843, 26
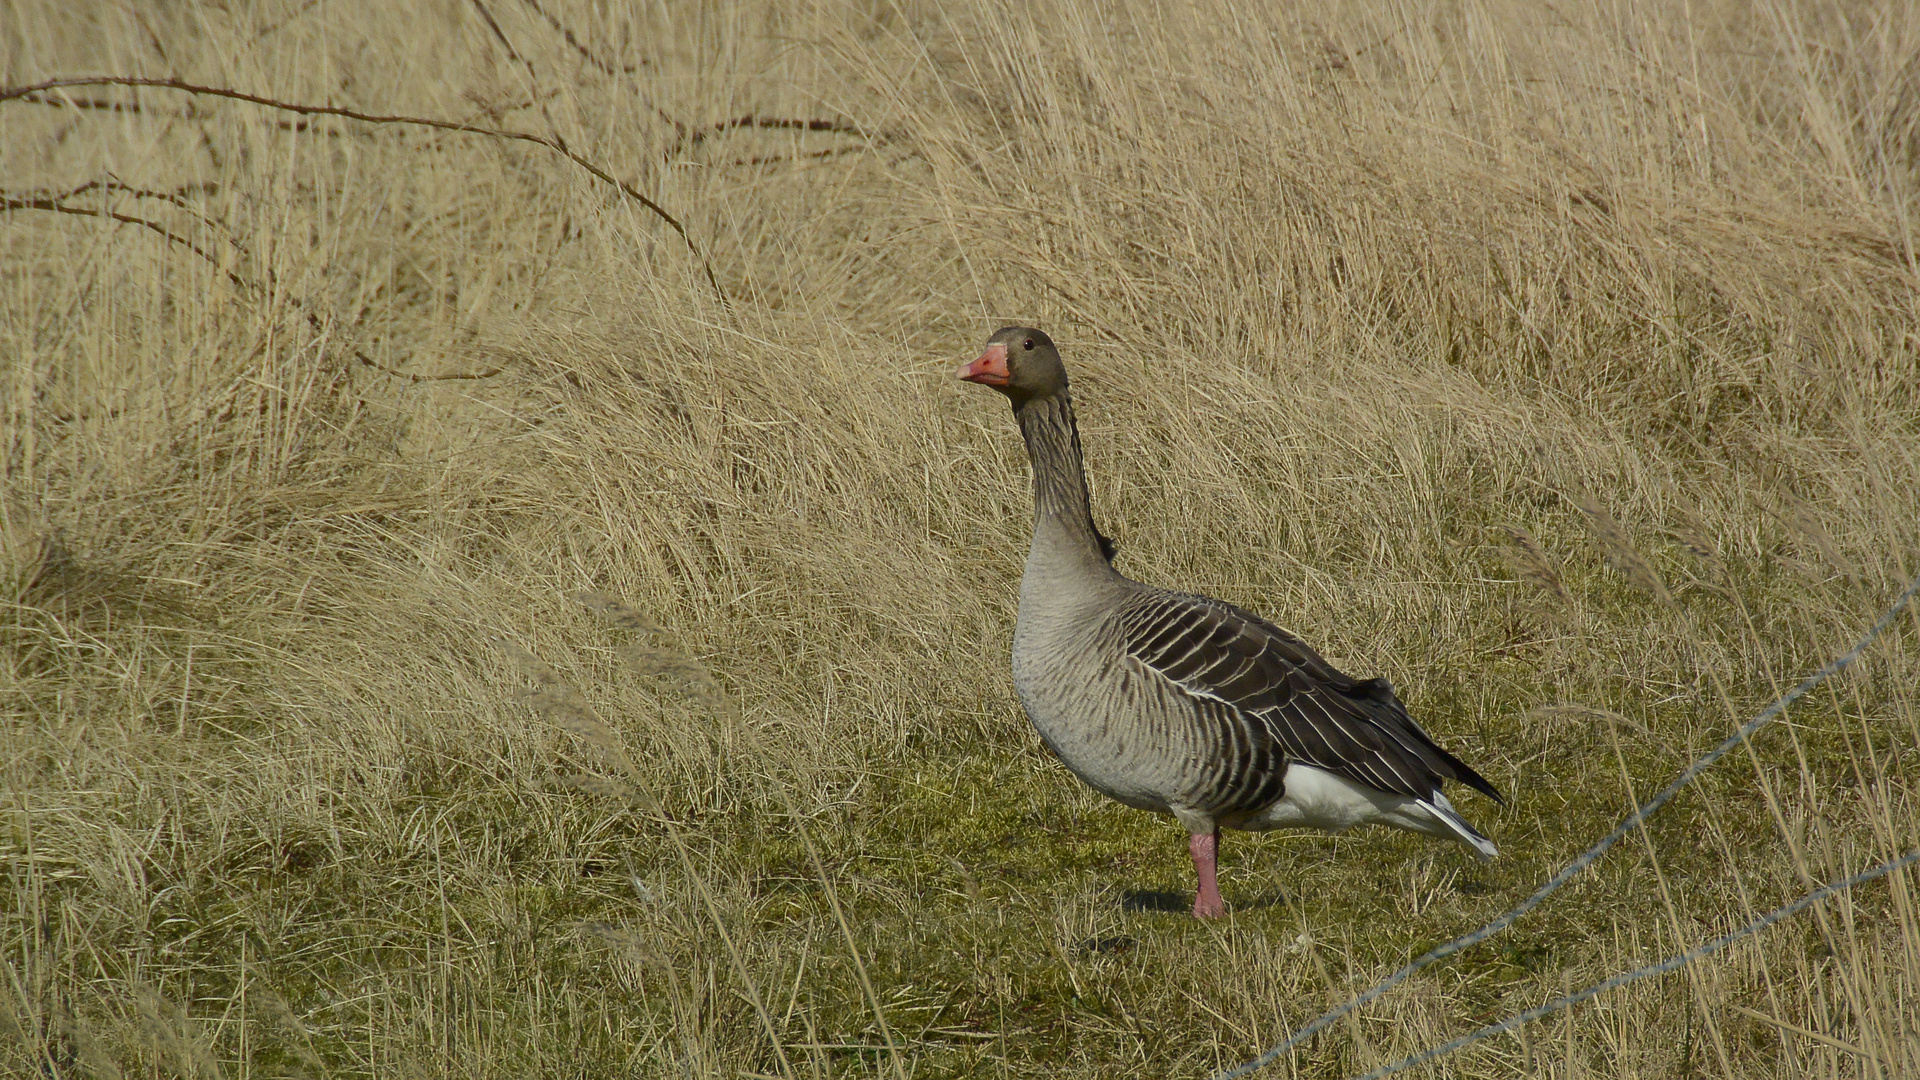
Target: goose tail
1443, 812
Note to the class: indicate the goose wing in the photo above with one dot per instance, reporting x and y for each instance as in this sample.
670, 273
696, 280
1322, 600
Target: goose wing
1284, 696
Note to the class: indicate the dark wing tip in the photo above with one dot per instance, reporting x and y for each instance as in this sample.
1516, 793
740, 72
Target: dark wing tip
1381, 690
1473, 779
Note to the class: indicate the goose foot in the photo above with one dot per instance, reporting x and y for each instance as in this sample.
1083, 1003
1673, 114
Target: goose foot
1206, 855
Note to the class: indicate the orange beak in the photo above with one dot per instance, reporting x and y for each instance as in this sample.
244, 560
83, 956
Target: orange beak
990, 369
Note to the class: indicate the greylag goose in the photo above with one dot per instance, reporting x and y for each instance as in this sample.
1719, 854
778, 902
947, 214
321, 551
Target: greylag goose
1183, 704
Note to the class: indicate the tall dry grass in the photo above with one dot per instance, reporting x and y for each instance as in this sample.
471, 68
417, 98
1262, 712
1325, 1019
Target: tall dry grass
1556, 362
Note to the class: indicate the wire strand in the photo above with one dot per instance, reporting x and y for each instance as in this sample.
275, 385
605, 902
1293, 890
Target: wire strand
1587, 857
1671, 963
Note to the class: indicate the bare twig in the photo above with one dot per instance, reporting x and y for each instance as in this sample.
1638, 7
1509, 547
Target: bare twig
303, 109
500, 35
319, 328
605, 67
56, 203
288, 21
134, 107
840, 127
178, 197
533, 80
376, 365
53, 204
99, 104
692, 137
816, 155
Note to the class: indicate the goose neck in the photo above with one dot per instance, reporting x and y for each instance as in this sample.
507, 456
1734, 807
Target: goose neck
1062, 510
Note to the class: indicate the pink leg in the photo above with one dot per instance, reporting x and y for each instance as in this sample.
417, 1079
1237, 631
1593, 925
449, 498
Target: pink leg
1206, 849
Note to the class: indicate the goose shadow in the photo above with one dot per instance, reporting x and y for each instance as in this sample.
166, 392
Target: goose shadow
1181, 903
1115, 945
1156, 900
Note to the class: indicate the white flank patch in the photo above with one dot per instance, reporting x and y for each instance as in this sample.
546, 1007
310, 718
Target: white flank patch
1317, 799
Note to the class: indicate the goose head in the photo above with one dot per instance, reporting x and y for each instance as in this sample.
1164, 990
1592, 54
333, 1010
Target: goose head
1021, 363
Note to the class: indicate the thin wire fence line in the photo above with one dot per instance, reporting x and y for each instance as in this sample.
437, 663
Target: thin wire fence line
1671, 963
1586, 858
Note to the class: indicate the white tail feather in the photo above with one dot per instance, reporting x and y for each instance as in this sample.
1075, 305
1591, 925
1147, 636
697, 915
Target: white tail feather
1445, 814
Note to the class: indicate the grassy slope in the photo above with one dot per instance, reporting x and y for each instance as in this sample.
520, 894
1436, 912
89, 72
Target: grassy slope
1346, 300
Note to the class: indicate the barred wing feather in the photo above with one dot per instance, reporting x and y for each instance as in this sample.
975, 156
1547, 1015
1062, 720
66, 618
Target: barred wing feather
1285, 697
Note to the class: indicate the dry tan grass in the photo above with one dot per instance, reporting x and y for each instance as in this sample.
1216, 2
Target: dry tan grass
1370, 306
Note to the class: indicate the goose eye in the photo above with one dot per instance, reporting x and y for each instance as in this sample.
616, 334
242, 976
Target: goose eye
1027, 344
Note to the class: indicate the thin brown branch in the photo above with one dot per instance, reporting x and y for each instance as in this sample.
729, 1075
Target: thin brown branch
775, 159
500, 35
605, 67
513, 54
286, 22
134, 107
319, 327
303, 109
533, 80
692, 137
376, 365
54, 205
177, 197
840, 127
99, 104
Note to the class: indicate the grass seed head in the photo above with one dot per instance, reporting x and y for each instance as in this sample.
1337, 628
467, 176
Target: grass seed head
1617, 545
1534, 565
1696, 539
